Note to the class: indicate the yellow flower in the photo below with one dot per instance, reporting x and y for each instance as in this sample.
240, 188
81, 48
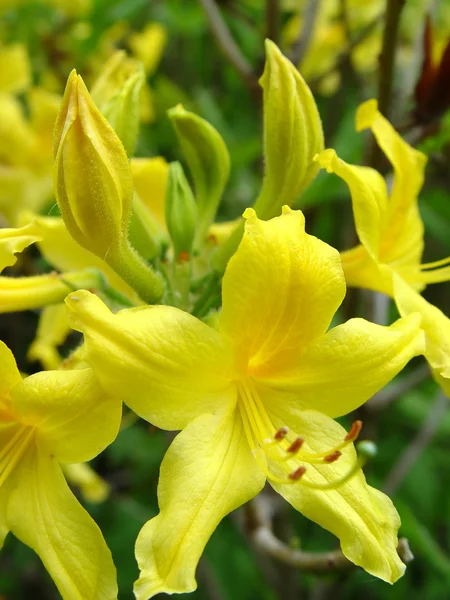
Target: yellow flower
15, 69
389, 227
47, 419
243, 394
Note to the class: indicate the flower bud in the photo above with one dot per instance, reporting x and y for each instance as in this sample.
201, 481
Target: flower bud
181, 211
92, 176
94, 189
122, 110
293, 134
208, 160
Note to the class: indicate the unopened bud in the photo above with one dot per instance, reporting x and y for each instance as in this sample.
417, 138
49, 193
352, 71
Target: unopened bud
208, 160
123, 110
94, 189
293, 134
181, 211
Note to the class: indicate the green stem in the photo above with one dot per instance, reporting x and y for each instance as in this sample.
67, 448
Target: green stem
133, 269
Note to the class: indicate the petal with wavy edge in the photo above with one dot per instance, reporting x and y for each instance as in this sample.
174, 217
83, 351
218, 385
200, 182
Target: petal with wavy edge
71, 412
346, 367
13, 241
369, 198
403, 239
435, 324
168, 366
280, 292
207, 472
44, 514
364, 519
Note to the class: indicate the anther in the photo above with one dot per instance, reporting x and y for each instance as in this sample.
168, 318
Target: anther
281, 434
332, 457
355, 430
297, 474
296, 445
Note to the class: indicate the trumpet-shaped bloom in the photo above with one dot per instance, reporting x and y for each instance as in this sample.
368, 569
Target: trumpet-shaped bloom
255, 399
389, 227
47, 419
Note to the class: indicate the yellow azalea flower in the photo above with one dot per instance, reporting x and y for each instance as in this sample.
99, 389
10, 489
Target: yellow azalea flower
245, 393
51, 418
148, 45
389, 227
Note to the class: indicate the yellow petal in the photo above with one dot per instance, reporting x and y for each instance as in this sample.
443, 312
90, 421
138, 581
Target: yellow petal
344, 368
13, 241
280, 292
148, 45
362, 271
404, 237
168, 366
207, 472
9, 375
71, 412
150, 181
44, 514
26, 293
369, 198
364, 519
53, 328
434, 323
92, 486
62, 252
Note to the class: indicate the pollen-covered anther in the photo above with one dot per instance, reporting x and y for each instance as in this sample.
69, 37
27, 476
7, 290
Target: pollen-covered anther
297, 474
331, 458
296, 445
354, 432
281, 434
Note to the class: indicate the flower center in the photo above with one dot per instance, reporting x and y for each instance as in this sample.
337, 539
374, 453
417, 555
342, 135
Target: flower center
12, 452
284, 446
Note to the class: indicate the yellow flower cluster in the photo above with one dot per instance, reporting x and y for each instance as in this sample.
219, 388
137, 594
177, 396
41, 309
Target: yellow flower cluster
255, 388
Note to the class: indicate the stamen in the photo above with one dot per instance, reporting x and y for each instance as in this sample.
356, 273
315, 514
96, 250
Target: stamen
355, 430
297, 474
437, 263
331, 458
281, 434
296, 445
13, 451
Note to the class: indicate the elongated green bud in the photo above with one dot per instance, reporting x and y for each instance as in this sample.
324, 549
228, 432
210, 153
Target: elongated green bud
122, 110
293, 134
208, 160
181, 212
94, 189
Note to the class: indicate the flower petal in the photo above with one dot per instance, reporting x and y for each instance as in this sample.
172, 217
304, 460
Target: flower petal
9, 375
13, 241
403, 240
207, 472
346, 367
168, 366
280, 292
150, 182
434, 323
71, 412
44, 514
362, 271
369, 198
52, 331
363, 518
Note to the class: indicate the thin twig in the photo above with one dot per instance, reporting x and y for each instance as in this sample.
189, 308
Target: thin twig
418, 444
272, 20
386, 396
259, 530
300, 46
226, 43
